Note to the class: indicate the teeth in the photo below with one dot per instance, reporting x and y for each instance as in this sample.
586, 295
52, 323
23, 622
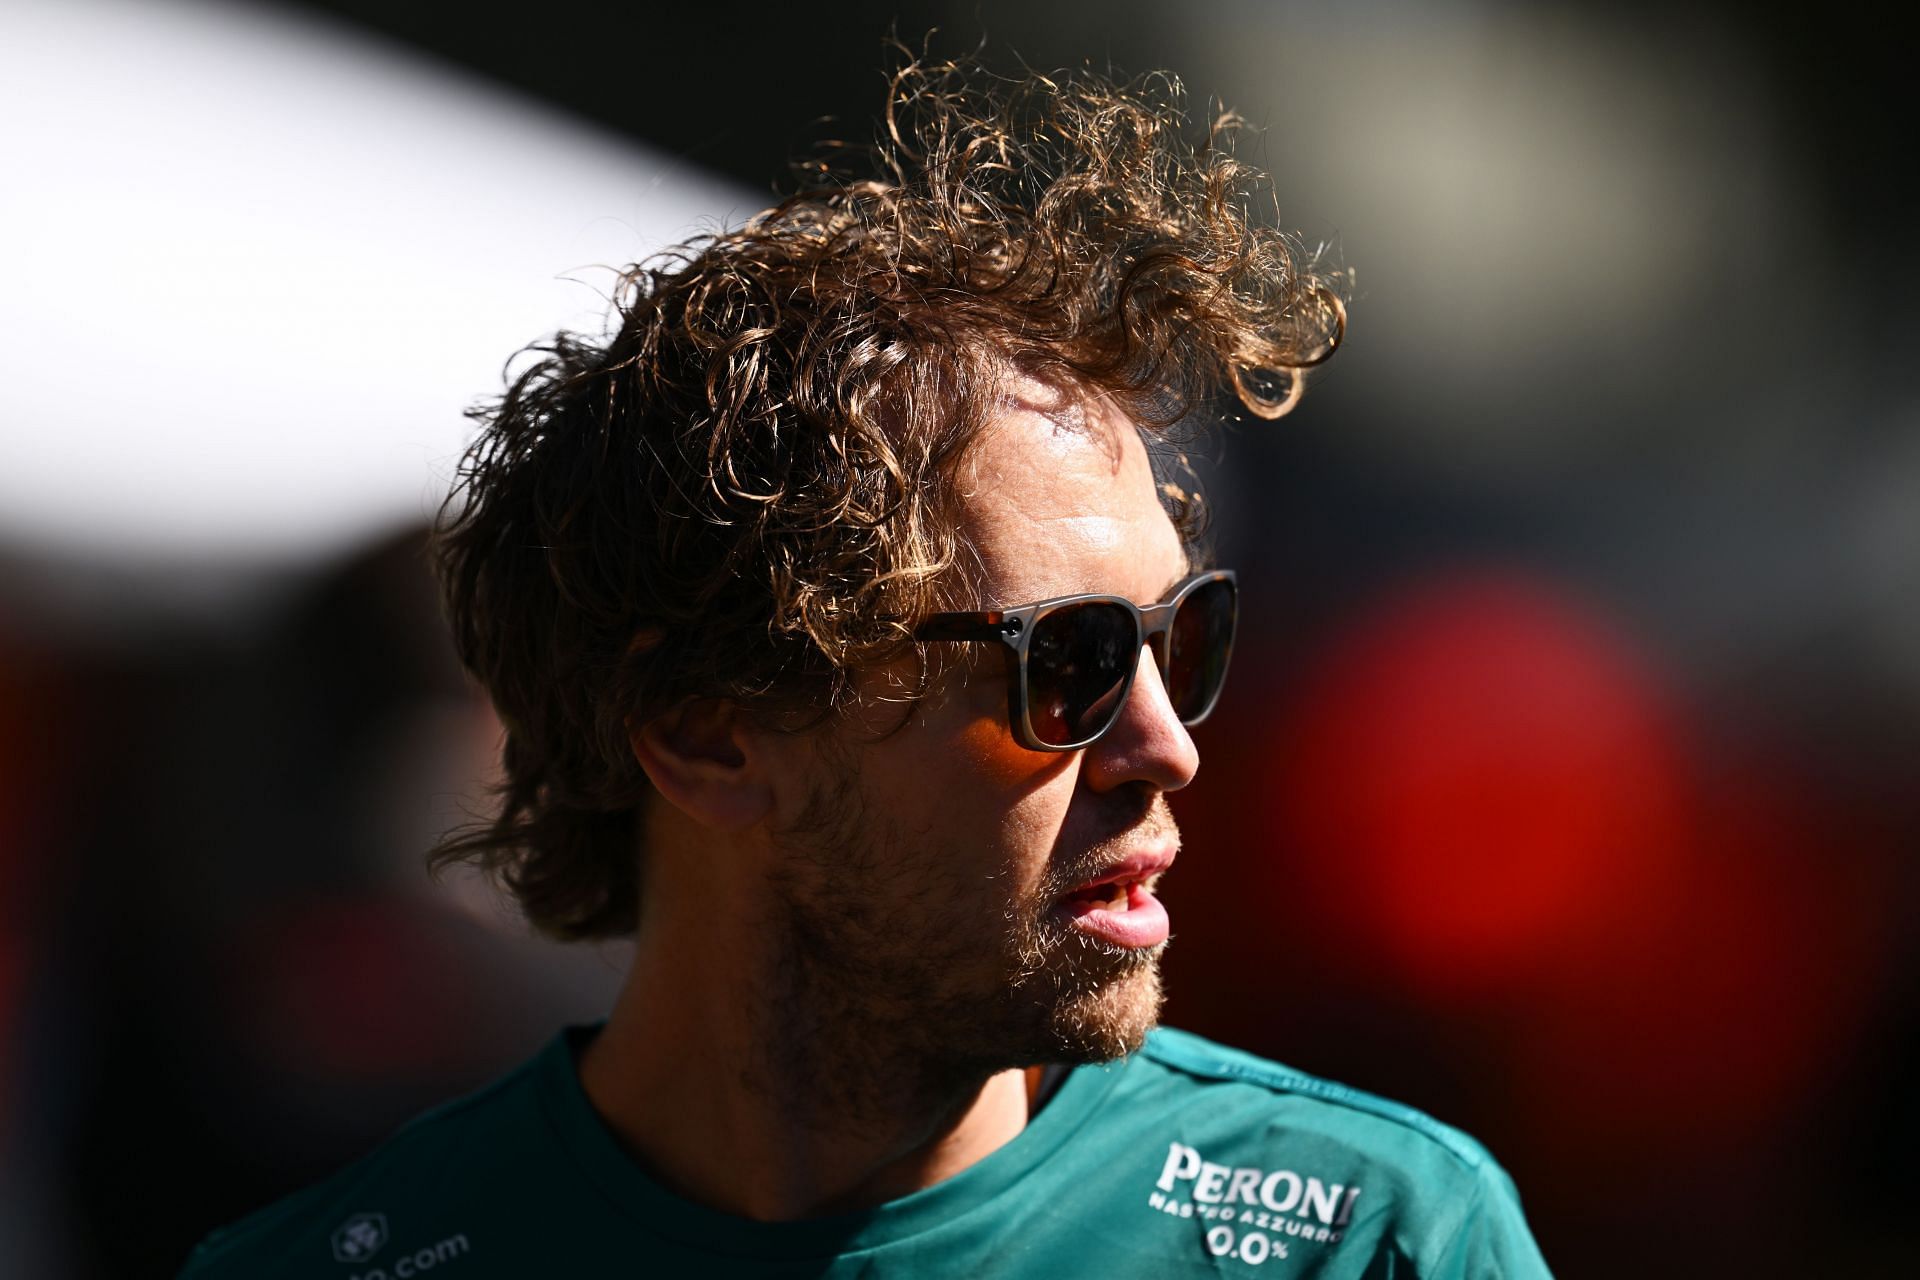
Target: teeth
1117, 897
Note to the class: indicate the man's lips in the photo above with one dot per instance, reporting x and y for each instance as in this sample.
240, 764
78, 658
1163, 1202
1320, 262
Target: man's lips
1140, 866
1117, 906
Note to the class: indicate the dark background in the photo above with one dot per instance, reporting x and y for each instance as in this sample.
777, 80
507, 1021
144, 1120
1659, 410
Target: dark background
1568, 782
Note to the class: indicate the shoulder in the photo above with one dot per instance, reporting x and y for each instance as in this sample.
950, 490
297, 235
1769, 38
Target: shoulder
1244, 1141
1256, 1086
410, 1197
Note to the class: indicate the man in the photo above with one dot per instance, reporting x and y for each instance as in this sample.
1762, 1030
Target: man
847, 644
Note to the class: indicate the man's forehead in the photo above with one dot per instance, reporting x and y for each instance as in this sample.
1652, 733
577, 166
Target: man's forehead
1060, 499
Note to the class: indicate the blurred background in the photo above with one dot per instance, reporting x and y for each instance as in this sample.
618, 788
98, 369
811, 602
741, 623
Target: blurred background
1568, 786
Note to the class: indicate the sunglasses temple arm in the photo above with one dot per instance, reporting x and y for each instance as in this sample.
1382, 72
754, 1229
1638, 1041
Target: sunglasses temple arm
968, 626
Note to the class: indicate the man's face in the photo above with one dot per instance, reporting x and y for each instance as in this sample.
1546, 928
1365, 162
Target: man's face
922, 887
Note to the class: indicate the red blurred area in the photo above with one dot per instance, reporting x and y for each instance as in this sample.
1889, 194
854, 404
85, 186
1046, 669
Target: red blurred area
1480, 774
354, 988
36, 712
1696, 1019
1480, 799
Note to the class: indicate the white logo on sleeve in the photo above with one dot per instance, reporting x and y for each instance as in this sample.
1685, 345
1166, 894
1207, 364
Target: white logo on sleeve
1258, 1210
359, 1237
365, 1234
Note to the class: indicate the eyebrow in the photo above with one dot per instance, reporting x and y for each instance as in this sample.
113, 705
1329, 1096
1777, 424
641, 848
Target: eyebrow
1189, 567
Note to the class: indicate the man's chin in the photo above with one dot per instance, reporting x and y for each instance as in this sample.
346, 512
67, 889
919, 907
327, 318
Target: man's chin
1107, 1021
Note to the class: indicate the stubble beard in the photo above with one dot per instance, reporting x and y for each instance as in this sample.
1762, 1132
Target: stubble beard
1094, 1001
892, 985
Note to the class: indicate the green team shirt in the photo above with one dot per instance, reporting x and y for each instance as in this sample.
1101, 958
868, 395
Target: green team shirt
1186, 1158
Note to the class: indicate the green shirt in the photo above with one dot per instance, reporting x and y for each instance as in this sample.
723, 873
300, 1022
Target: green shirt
1186, 1158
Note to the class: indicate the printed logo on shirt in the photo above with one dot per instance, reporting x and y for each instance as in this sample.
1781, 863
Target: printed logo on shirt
359, 1237
365, 1234
1258, 1212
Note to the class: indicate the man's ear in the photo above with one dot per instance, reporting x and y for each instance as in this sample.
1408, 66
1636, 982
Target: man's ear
701, 757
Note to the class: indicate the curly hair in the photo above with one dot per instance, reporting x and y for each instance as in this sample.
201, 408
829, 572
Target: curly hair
748, 491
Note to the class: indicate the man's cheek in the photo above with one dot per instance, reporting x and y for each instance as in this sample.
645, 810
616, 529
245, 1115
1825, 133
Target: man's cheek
988, 751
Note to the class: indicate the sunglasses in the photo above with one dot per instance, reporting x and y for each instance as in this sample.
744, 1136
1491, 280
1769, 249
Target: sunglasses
1071, 661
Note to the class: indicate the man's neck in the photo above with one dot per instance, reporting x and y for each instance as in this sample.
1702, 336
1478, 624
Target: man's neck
744, 1106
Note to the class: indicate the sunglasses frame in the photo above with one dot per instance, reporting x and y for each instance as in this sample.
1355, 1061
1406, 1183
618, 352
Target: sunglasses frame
1013, 630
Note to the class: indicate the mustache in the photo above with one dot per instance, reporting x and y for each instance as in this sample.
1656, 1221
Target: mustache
1126, 828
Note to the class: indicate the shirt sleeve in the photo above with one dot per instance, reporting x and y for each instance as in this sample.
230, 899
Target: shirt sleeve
1493, 1242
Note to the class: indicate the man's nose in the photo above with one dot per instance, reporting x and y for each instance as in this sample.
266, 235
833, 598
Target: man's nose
1147, 742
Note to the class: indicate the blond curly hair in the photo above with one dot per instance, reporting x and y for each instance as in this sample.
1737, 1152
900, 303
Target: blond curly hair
747, 491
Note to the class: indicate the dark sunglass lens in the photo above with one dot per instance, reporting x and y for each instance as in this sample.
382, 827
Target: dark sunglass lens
1078, 662
1198, 642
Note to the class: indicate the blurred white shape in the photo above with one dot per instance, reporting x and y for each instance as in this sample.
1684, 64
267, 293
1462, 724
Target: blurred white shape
255, 268
1560, 224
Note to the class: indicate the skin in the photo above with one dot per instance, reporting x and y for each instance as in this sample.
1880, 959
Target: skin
845, 956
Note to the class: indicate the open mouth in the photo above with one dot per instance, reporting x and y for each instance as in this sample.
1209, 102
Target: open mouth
1120, 908
1114, 895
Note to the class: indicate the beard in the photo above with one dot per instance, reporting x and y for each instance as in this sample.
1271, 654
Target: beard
934, 971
